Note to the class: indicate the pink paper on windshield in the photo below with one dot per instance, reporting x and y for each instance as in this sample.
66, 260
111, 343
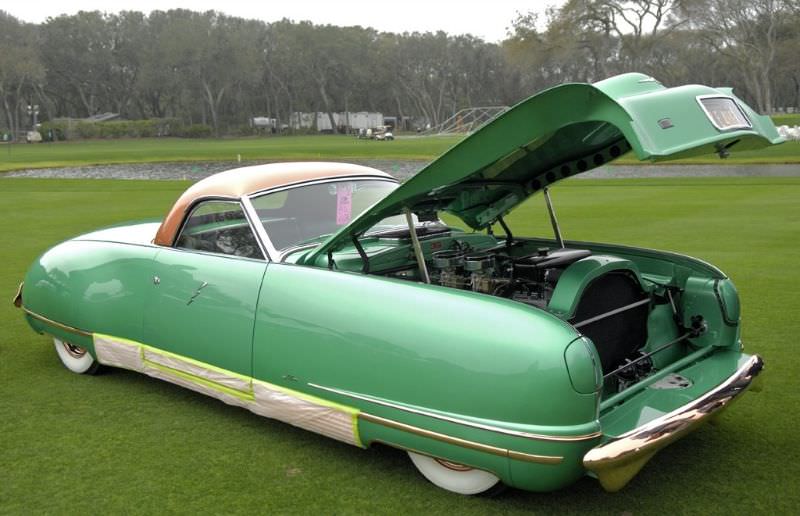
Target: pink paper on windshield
344, 203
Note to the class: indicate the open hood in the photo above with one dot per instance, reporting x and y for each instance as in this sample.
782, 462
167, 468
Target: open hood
564, 131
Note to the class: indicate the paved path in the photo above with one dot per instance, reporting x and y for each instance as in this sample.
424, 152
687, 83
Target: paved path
399, 168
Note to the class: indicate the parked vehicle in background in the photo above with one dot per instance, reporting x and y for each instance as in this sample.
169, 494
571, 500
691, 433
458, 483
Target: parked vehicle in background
383, 133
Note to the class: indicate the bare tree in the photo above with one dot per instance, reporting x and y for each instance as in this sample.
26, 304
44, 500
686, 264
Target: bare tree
745, 32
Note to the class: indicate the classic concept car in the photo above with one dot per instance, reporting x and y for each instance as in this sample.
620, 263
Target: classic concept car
331, 297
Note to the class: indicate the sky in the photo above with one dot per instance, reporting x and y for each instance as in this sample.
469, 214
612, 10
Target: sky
486, 19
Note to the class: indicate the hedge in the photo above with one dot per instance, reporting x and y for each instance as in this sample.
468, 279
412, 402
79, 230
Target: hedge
61, 130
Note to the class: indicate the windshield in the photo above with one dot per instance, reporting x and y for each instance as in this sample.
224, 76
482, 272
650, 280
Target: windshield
307, 213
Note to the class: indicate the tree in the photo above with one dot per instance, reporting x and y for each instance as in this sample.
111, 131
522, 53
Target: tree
20, 69
745, 32
77, 52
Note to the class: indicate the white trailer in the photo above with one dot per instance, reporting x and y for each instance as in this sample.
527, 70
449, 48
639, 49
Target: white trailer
351, 121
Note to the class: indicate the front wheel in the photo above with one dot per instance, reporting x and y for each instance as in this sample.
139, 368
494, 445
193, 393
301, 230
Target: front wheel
453, 477
75, 358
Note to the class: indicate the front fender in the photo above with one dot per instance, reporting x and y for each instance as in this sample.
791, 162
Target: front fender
89, 286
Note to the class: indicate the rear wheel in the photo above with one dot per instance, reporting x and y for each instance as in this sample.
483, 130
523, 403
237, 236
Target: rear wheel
75, 358
455, 477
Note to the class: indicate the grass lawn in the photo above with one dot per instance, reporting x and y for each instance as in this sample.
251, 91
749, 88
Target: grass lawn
152, 150
123, 442
791, 119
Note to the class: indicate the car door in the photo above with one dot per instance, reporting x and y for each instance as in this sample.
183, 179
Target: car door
205, 289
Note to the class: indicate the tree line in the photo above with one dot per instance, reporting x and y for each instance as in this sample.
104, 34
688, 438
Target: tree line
213, 69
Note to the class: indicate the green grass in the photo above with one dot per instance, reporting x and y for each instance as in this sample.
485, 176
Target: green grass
122, 442
788, 119
152, 150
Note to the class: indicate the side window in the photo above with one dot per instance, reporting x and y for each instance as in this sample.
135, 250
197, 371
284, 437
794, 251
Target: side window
219, 227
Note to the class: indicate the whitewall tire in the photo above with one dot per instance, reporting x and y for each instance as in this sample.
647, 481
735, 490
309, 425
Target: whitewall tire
75, 358
454, 477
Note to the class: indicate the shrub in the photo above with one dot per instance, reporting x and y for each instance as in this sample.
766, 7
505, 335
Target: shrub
194, 131
53, 131
87, 129
115, 129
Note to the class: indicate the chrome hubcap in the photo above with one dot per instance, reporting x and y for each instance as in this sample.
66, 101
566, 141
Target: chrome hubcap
73, 350
453, 465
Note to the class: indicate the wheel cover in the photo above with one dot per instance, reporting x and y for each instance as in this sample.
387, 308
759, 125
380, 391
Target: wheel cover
453, 465
73, 350
452, 476
75, 358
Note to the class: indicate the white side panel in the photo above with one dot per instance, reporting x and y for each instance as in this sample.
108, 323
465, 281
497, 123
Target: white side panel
329, 420
197, 387
310, 413
193, 368
118, 352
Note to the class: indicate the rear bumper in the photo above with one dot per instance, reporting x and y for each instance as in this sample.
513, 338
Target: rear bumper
617, 461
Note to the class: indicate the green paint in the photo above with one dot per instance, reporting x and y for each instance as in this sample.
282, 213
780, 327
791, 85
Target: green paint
212, 324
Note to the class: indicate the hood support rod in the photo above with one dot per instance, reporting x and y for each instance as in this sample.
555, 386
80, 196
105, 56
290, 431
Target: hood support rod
553, 219
412, 229
509, 236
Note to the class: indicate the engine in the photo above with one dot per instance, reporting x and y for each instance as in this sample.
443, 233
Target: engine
527, 278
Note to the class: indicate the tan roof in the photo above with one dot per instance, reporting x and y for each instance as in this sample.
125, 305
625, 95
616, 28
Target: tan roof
242, 181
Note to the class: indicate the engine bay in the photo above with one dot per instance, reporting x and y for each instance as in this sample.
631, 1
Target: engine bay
528, 278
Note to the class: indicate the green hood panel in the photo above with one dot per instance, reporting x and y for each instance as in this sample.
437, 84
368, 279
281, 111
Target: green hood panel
558, 133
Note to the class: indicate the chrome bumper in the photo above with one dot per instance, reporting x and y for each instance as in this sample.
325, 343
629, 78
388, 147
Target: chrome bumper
617, 461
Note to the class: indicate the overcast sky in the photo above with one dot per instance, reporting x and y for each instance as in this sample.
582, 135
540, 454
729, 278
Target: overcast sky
486, 19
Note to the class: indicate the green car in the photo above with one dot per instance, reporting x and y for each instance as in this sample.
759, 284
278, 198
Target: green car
330, 297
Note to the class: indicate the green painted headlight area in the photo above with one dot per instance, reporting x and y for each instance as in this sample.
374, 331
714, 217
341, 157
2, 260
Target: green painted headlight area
583, 366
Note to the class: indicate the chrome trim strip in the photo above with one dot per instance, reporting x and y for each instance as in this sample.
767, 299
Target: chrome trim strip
59, 325
515, 433
329, 179
472, 445
616, 461
258, 228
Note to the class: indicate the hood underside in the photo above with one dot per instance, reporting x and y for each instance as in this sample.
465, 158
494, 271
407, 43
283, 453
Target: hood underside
564, 131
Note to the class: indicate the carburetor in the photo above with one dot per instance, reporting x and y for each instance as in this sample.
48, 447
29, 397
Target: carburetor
481, 267
450, 264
